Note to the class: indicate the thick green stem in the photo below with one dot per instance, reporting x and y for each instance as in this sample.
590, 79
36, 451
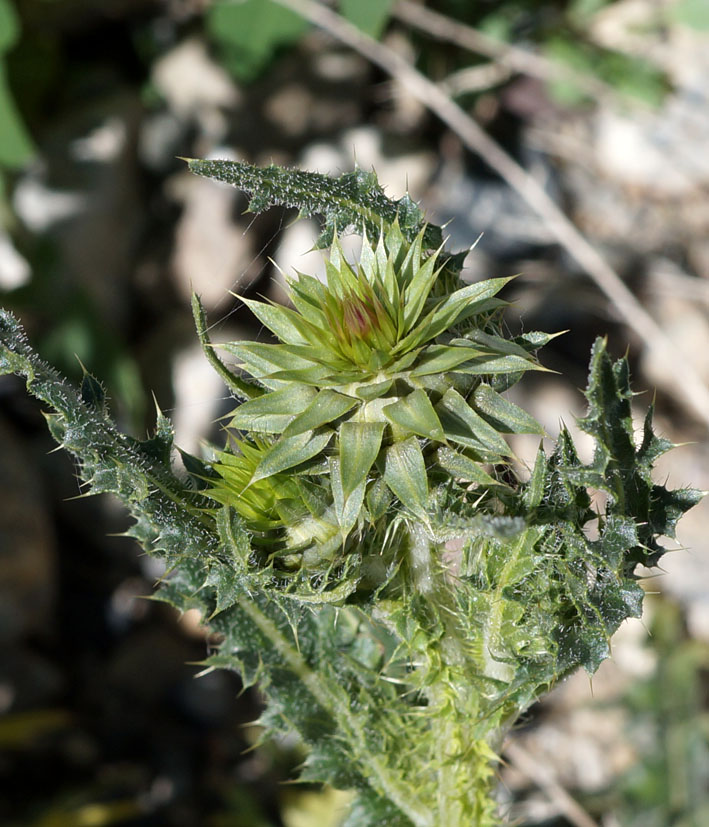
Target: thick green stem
420, 560
463, 757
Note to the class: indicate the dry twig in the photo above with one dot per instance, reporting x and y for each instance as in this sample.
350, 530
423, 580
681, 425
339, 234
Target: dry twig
545, 780
475, 79
518, 60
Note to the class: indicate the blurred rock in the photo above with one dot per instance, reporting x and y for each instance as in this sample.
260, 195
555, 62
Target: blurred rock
662, 154
161, 137
14, 269
290, 108
468, 206
195, 88
102, 144
213, 253
199, 395
85, 197
672, 302
698, 257
39, 207
587, 749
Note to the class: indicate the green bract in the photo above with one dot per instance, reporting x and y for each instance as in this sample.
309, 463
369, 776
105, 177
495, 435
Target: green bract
377, 374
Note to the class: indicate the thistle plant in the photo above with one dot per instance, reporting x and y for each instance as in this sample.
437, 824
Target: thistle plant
364, 543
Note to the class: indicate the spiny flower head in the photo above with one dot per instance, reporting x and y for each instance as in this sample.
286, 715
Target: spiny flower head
293, 507
255, 499
377, 366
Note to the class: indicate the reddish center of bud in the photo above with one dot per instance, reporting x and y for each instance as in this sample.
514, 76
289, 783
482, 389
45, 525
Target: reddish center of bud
357, 318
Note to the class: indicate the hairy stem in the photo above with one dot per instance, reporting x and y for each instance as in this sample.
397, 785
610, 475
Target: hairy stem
374, 767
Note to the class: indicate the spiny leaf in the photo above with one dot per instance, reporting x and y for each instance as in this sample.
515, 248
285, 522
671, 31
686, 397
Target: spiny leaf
289, 452
263, 360
272, 412
348, 507
93, 392
415, 414
652, 446
286, 324
326, 407
405, 474
359, 446
463, 468
609, 417
441, 359
353, 201
418, 290
502, 414
469, 300
463, 425
534, 489
378, 499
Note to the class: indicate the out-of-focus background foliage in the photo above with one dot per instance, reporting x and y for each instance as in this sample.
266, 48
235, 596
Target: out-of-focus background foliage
103, 234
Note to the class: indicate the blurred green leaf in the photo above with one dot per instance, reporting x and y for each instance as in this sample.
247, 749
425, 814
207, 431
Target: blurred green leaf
5, 210
629, 75
581, 11
16, 146
18, 731
250, 32
694, 13
497, 25
95, 814
9, 26
633, 76
370, 16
